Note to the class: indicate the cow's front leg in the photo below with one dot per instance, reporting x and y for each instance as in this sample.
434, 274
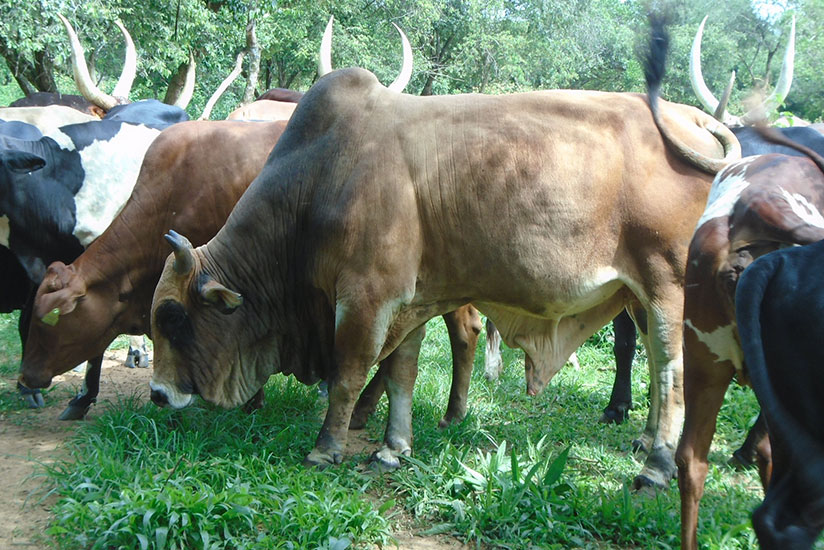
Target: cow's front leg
331, 442
357, 345
400, 371
82, 402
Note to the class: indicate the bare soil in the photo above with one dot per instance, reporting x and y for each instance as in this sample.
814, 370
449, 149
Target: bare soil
30, 437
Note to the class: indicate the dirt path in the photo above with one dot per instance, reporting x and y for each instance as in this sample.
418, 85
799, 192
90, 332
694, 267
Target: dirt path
31, 436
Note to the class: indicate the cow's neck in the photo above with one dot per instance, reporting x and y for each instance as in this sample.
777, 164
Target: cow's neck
290, 316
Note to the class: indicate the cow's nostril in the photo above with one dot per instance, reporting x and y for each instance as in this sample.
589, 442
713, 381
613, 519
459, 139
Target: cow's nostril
159, 398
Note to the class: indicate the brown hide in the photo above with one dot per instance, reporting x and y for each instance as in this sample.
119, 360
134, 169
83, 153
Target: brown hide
75, 102
373, 215
281, 94
274, 104
263, 109
757, 205
191, 177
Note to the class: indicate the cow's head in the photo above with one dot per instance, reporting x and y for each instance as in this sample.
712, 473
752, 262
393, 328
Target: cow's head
66, 314
199, 341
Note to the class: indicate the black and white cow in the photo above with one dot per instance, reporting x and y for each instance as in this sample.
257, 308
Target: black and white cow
59, 192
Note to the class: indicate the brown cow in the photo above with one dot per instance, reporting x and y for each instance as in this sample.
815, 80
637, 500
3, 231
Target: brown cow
757, 205
275, 104
193, 175
369, 219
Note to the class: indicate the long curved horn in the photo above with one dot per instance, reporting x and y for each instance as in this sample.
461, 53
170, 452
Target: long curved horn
700, 88
782, 87
188, 84
184, 259
721, 111
81, 72
124, 83
406, 69
325, 57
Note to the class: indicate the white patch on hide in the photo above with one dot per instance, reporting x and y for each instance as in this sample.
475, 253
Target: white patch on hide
725, 191
111, 170
63, 140
803, 208
176, 399
4, 231
721, 343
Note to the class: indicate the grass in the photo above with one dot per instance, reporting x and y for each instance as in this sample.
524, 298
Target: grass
518, 472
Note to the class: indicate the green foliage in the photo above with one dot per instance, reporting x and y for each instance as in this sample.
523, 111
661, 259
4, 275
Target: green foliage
142, 477
459, 45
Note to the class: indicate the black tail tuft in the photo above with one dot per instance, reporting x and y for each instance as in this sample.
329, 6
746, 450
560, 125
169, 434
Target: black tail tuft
656, 57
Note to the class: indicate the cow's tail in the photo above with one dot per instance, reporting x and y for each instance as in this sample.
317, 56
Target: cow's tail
749, 296
654, 69
774, 136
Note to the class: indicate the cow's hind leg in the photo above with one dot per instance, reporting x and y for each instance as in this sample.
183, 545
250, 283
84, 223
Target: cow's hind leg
368, 400
82, 402
747, 455
464, 326
401, 370
705, 386
620, 402
666, 414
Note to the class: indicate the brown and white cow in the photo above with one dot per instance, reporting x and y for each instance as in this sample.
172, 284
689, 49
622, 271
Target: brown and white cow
191, 176
369, 218
760, 204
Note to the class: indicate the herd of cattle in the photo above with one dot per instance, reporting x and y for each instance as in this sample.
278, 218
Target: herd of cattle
320, 248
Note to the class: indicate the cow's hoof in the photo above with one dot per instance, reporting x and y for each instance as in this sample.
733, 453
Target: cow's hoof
129, 363
143, 361
34, 400
615, 415
642, 444
322, 459
74, 412
386, 459
639, 446
740, 461
649, 482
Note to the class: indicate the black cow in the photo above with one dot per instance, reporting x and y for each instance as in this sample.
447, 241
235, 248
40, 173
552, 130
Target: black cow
50, 206
779, 307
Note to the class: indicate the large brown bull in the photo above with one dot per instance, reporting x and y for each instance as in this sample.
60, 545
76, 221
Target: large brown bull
370, 217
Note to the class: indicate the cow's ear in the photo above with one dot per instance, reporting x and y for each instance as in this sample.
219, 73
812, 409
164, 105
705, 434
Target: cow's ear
215, 294
21, 161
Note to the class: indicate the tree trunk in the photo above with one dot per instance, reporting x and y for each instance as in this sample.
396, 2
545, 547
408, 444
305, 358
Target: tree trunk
30, 77
253, 52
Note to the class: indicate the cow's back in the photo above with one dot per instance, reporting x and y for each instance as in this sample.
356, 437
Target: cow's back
485, 194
